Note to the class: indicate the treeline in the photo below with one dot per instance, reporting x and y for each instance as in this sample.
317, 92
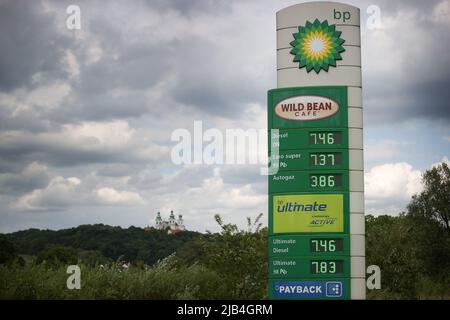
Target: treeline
231, 264
101, 243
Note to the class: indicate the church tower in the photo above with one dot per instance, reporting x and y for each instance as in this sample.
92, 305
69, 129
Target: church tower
172, 223
159, 222
180, 222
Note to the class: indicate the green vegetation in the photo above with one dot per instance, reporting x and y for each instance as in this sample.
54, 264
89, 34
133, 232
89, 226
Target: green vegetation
164, 280
227, 265
105, 242
412, 250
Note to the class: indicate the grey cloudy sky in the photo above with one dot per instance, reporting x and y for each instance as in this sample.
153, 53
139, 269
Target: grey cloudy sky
86, 115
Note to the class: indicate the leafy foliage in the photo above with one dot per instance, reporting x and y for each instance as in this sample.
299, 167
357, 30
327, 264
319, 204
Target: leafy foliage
170, 278
413, 249
57, 256
7, 250
37, 281
388, 246
107, 243
239, 255
433, 203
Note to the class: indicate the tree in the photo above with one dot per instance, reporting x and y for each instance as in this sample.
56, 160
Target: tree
413, 249
7, 250
110, 242
57, 256
430, 212
239, 256
390, 245
93, 257
434, 201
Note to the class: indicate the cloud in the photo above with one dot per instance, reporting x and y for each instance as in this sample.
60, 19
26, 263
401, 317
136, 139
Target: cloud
31, 45
63, 193
227, 196
407, 96
113, 196
391, 186
33, 176
73, 68
217, 89
130, 61
209, 194
29, 110
441, 12
87, 142
385, 149
112, 134
193, 7
60, 193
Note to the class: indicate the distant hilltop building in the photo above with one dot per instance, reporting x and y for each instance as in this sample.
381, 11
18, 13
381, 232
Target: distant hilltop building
173, 225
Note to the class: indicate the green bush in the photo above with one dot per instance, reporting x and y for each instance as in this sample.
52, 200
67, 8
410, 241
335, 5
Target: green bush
57, 256
7, 250
158, 282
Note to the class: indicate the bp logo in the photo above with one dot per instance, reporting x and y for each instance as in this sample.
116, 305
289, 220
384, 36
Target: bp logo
317, 46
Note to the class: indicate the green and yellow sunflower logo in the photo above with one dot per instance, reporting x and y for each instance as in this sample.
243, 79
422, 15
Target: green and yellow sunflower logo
317, 46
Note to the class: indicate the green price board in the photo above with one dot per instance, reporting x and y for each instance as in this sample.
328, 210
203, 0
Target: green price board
311, 267
309, 138
309, 245
309, 241
315, 181
310, 159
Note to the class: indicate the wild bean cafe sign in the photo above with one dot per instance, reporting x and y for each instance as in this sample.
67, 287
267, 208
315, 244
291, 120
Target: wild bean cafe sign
316, 195
306, 107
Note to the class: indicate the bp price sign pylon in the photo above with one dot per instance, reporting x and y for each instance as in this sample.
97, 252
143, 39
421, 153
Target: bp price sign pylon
316, 197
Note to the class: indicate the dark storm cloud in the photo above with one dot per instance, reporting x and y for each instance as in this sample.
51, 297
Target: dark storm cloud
388, 7
29, 44
198, 73
31, 177
192, 7
425, 99
25, 121
136, 69
208, 80
102, 106
433, 99
126, 65
417, 86
27, 149
202, 76
59, 149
